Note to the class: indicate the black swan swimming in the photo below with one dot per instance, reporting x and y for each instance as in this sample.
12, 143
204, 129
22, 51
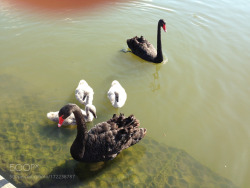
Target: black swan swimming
144, 49
105, 140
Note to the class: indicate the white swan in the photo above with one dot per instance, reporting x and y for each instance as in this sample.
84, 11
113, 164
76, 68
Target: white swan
84, 93
117, 94
89, 114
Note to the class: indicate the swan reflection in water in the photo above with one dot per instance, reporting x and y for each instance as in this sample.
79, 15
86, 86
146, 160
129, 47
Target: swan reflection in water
155, 84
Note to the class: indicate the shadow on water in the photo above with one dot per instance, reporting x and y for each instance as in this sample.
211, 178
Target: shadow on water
73, 173
28, 139
148, 164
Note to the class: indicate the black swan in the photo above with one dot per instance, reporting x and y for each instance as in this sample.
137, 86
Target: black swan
105, 140
144, 49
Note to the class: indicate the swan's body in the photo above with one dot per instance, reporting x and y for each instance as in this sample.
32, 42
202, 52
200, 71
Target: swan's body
144, 49
117, 94
88, 115
84, 93
105, 140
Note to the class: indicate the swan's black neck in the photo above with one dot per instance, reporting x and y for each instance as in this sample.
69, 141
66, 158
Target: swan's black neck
78, 147
159, 57
81, 125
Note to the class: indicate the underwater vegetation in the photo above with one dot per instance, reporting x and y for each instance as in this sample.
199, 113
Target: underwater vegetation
27, 137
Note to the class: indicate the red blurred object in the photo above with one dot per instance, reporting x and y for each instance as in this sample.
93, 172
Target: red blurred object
58, 5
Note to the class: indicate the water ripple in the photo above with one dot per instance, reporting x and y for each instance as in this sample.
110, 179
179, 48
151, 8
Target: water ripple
151, 6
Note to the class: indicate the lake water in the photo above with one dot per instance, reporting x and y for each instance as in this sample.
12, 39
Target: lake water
195, 105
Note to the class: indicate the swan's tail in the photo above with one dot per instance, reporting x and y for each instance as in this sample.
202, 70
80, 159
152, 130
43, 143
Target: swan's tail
138, 135
53, 116
128, 132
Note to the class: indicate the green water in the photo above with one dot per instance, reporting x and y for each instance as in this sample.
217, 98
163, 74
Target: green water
195, 106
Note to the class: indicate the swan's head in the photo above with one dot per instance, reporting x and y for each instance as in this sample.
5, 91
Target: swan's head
115, 82
91, 108
83, 82
65, 112
162, 23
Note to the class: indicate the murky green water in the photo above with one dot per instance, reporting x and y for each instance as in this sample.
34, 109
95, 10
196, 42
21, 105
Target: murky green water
195, 107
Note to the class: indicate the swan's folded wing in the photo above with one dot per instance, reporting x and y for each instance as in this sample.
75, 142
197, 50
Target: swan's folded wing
106, 140
79, 94
111, 96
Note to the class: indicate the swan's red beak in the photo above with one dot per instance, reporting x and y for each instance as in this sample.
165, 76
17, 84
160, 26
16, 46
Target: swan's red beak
164, 27
61, 120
